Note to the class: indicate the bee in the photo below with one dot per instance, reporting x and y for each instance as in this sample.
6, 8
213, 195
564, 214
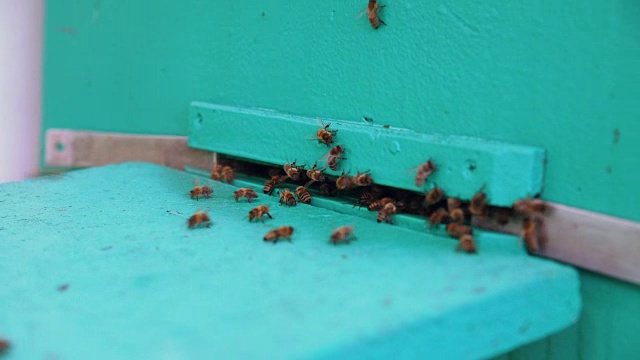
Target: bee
424, 171
453, 203
274, 171
249, 193
344, 181
386, 213
372, 11
303, 195
325, 136
362, 179
293, 171
386, 126
502, 215
532, 233
438, 217
201, 218
284, 232
325, 189
286, 197
434, 196
467, 244
215, 172
271, 184
5, 345
259, 212
227, 174
364, 199
197, 191
530, 206
457, 215
457, 230
343, 234
377, 205
478, 204
335, 154
315, 175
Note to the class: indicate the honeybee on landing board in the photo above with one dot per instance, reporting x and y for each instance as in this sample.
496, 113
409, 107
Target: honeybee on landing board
434, 196
271, 184
259, 212
457, 230
530, 206
386, 213
457, 215
303, 195
293, 171
377, 205
343, 234
248, 193
227, 174
197, 191
362, 179
286, 197
215, 172
201, 218
364, 200
283, 232
372, 13
533, 234
467, 244
326, 190
334, 155
324, 135
424, 171
438, 217
478, 204
344, 181
315, 175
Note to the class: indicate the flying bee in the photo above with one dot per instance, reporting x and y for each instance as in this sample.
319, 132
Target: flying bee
304, 196
434, 196
364, 199
457, 215
259, 212
227, 174
334, 155
271, 184
372, 13
438, 217
532, 233
248, 193
215, 172
457, 230
315, 175
362, 179
344, 181
324, 135
200, 218
343, 234
325, 189
386, 213
197, 191
424, 171
530, 206
283, 232
286, 197
467, 244
293, 171
377, 205
478, 204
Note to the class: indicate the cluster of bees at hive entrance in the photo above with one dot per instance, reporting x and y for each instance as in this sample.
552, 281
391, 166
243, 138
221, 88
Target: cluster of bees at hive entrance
292, 184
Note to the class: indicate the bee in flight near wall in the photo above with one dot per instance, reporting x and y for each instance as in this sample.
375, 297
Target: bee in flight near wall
372, 13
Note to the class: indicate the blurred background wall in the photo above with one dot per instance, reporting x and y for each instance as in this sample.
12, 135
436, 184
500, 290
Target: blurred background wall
21, 23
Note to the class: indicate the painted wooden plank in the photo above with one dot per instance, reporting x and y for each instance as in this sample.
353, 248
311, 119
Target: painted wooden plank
116, 235
508, 171
72, 148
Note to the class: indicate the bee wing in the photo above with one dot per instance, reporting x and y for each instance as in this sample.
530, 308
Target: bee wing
361, 13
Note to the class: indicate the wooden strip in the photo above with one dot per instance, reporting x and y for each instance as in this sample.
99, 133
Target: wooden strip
589, 240
70, 148
508, 171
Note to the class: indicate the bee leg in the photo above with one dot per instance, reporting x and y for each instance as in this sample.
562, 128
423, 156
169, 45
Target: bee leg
269, 215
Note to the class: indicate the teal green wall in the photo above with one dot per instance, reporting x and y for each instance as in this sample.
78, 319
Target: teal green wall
561, 75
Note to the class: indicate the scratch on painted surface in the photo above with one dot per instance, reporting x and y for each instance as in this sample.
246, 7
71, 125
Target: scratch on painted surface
459, 20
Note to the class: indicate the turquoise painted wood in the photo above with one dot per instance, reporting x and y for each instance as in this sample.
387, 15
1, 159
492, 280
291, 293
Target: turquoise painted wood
464, 165
562, 76
142, 285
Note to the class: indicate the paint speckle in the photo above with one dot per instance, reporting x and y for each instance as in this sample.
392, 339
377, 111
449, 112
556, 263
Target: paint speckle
394, 147
63, 287
479, 290
524, 327
263, 14
106, 248
471, 165
608, 169
616, 136
387, 302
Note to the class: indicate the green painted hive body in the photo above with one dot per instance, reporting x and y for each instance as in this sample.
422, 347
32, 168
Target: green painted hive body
560, 76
